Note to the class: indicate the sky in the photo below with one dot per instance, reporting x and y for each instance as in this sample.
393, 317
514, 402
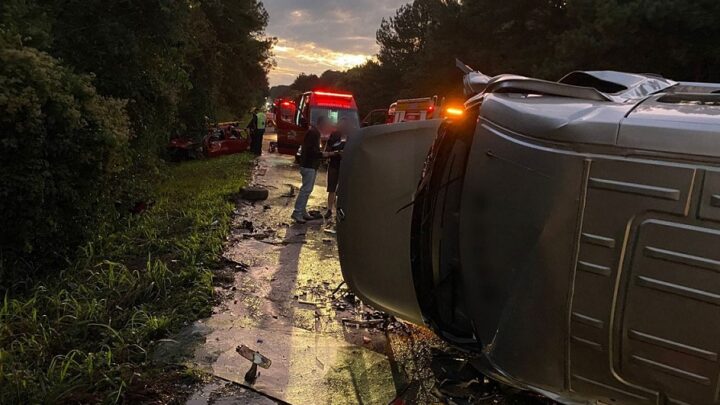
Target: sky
317, 35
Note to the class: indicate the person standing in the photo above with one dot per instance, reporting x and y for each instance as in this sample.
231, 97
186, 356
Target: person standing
256, 127
335, 143
252, 130
259, 131
310, 158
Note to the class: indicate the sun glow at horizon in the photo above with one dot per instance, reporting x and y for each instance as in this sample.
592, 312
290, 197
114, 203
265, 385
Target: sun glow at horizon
294, 58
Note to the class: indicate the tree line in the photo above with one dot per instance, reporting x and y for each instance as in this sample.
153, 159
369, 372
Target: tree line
540, 38
90, 93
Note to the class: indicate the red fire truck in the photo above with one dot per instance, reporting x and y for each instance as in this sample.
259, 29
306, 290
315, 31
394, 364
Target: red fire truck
293, 117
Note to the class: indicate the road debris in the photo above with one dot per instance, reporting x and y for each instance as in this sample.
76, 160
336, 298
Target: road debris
254, 193
247, 225
256, 358
325, 345
237, 265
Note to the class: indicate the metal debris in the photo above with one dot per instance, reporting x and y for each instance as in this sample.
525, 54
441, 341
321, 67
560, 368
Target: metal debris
254, 356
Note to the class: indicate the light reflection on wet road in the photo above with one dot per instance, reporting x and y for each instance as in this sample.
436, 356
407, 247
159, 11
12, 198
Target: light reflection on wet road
283, 307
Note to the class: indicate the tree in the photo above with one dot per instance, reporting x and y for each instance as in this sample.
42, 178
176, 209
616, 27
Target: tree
62, 147
135, 50
373, 85
305, 82
88, 70
675, 38
229, 59
539, 38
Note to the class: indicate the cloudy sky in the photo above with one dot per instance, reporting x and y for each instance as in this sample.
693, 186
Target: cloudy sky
316, 35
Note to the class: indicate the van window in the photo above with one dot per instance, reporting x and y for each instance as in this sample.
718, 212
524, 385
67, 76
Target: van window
334, 115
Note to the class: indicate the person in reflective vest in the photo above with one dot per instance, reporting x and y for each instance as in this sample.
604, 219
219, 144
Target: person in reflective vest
257, 131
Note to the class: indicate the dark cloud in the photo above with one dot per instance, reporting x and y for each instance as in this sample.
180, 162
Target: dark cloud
316, 35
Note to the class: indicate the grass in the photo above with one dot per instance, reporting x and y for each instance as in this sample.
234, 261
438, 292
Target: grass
85, 335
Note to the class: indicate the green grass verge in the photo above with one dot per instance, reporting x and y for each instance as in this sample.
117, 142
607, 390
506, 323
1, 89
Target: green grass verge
85, 335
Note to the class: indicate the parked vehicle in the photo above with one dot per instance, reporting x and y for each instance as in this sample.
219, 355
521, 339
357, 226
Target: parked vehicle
566, 232
307, 109
221, 139
375, 117
416, 109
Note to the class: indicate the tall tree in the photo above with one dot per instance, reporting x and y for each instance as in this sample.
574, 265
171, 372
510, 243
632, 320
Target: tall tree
135, 50
675, 38
229, 58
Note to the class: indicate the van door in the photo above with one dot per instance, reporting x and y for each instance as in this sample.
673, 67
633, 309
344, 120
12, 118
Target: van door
291, 134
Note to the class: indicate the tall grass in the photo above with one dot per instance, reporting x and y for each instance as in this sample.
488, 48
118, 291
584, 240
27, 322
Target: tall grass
84, 336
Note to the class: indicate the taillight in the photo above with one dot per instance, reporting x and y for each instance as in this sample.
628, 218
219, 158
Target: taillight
430, 111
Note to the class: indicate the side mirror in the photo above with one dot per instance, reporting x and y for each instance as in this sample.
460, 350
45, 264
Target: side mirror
364, 124
474, 82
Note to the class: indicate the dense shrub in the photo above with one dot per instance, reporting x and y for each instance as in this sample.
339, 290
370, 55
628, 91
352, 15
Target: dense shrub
62, 148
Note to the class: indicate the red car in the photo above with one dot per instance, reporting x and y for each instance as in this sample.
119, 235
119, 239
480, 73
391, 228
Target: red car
221, 139
225, 139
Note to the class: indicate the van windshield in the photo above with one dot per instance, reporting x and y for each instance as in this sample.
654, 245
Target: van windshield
335, 115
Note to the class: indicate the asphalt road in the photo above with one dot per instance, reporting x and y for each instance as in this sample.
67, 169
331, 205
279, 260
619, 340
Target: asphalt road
283, 298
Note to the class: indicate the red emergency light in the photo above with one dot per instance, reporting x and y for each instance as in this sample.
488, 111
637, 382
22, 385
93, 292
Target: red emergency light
331, 100
325, 93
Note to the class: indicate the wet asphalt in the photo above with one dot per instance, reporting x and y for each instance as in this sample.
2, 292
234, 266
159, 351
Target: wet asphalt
282, 296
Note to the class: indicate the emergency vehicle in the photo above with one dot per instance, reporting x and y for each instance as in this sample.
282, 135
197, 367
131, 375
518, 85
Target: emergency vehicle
420, 109
414, 109
293, 117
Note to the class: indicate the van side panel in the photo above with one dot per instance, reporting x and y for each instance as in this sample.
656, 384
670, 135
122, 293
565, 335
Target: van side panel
594, 275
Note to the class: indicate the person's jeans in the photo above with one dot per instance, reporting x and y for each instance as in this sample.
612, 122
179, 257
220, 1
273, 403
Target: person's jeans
256, 141
308, 183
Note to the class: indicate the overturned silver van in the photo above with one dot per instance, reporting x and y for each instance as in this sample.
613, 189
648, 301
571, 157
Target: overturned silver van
567, 232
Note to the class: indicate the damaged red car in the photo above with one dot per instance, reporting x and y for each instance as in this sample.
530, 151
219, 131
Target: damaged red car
225, 138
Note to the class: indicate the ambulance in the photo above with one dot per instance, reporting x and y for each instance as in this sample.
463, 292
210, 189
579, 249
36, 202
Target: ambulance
294, 117
420, 109
414, 109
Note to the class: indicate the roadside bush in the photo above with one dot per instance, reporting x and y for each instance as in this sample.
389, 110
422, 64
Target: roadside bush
62, 149
87, 335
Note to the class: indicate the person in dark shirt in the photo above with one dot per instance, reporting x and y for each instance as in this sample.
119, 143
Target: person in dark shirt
335, 143
310, 159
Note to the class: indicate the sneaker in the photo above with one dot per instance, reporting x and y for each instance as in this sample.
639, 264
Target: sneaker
298, 219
